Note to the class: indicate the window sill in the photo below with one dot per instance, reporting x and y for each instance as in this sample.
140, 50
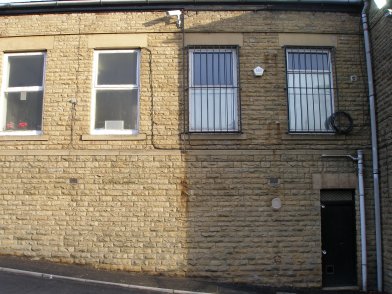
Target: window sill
139, 137
230, 136
311, 136
23, 138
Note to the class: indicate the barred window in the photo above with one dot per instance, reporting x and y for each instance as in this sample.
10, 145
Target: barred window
309, 90
213, 89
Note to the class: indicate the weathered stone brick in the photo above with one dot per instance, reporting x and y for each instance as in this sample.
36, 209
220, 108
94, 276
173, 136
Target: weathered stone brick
169, 203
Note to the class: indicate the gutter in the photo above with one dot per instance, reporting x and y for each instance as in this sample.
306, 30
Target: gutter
67, 3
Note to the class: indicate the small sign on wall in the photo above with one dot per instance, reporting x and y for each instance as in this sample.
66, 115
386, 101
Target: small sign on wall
258, 71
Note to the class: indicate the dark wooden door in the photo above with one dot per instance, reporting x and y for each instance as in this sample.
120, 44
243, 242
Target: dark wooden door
338, 239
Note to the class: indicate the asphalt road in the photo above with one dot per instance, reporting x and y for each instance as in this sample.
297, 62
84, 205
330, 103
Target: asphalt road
21, 284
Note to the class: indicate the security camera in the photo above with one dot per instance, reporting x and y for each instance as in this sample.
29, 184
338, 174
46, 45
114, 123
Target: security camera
174, 13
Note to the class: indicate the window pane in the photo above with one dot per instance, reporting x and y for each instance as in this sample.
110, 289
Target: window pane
117, 68
308, 61
310, 93
212, 68
213, 94
213, 109
292, 62
116, 108
25, 70
24, 111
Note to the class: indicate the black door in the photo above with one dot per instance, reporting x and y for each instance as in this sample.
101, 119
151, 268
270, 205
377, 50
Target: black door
338, 238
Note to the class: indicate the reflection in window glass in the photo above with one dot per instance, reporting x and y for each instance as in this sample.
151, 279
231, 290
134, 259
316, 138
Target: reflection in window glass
116, 105
308, 61
309, 90
24, 111
213, 92
25, 70
214, 109
117, 68
22, 96
213, 68
116, 92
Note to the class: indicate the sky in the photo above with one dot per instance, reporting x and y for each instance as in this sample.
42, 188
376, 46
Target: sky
8, 1
15, 1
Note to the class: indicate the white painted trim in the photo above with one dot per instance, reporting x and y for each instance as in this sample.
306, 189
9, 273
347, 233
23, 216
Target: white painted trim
116, 87
114, 132
121, 137
5, 88
25, 53
3, 105
23, 89
96, 87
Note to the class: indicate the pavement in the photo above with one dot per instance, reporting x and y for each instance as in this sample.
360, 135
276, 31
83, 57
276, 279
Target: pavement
11, 283
25, 275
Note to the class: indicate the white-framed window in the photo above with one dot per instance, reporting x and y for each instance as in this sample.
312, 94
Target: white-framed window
115, 101
213, 89
22, 93
309, 90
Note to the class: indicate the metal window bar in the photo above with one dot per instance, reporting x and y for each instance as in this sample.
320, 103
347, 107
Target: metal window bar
213, 92
310, 91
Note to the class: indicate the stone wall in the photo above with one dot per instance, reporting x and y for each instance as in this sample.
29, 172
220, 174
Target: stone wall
163, 201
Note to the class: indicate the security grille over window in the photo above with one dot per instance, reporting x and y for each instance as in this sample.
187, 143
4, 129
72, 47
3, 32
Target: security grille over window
214, 89
309, 89
336, 195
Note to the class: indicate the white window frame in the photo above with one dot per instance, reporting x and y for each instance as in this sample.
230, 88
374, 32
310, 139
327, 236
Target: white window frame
96, 87
310, 71
5, 88
234, 85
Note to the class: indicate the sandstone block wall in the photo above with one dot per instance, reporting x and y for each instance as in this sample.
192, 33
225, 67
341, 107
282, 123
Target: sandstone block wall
163, 201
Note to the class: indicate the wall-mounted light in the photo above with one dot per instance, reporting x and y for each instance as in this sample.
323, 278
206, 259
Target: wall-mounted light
388, 13
177, 13
380, 3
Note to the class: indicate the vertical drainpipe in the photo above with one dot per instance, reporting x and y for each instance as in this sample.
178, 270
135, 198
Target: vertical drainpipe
183, 83
361, 191
373, 125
